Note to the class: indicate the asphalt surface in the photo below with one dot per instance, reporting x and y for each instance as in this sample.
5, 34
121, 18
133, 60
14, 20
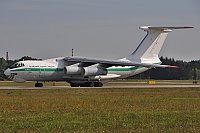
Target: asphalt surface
124, 86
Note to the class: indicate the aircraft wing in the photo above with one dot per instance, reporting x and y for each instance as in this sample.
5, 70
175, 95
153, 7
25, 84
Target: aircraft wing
108, 63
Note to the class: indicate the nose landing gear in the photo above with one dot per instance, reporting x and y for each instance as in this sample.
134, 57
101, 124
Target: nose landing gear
38, 84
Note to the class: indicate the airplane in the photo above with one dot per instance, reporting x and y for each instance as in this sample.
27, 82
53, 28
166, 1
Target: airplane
91, 72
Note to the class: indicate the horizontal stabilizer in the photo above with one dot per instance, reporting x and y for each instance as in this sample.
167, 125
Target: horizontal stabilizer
172, 67
146, 28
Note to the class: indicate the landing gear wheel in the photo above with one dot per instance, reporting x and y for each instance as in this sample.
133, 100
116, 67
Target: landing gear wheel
88, 84
98, 84
91, 84
38, 85
74, 85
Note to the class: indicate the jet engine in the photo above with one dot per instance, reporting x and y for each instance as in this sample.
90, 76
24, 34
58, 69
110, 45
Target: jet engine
74, 70
86, 71
93, 71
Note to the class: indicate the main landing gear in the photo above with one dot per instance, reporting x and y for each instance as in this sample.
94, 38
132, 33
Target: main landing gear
38, 84
88, 84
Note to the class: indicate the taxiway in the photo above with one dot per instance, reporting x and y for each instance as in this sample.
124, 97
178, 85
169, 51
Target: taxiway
112, 87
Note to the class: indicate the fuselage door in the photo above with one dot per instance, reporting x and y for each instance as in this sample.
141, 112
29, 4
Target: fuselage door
42, 73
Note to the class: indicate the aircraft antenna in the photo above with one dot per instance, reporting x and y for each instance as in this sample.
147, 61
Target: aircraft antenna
72, 52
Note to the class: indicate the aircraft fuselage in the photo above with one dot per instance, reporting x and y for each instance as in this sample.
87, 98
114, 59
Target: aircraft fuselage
53, 70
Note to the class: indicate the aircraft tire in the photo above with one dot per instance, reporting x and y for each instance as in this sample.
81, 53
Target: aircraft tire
38, 85
88, 84
98, 84
74, 85
91, 84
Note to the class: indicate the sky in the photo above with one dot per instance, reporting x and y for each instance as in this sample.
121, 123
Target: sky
95, 28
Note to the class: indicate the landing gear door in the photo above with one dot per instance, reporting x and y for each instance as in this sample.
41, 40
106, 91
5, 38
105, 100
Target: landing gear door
42, 73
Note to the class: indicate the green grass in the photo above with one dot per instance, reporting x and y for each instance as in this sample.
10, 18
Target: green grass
11, 83
100, 110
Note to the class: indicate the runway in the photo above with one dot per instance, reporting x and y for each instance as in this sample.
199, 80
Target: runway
112, 87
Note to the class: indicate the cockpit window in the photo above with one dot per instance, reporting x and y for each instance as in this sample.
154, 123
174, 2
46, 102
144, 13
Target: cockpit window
16, 65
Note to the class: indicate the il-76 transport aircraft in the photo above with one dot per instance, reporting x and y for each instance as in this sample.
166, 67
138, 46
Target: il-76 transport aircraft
90, 72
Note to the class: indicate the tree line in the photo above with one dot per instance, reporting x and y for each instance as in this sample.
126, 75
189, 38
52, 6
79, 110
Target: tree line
186, 71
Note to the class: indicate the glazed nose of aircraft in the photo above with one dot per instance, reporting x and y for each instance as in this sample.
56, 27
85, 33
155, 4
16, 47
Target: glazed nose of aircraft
7, 72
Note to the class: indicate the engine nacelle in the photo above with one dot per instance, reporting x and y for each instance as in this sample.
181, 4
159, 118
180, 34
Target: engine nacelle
93, 71
74, 70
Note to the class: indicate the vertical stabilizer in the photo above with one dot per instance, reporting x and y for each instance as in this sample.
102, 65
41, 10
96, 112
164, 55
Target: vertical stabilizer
148, 50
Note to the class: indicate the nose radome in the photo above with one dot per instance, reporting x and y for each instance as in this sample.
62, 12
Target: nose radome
7, 72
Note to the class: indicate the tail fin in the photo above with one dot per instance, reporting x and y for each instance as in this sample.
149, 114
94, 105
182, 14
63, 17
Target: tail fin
148, 50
